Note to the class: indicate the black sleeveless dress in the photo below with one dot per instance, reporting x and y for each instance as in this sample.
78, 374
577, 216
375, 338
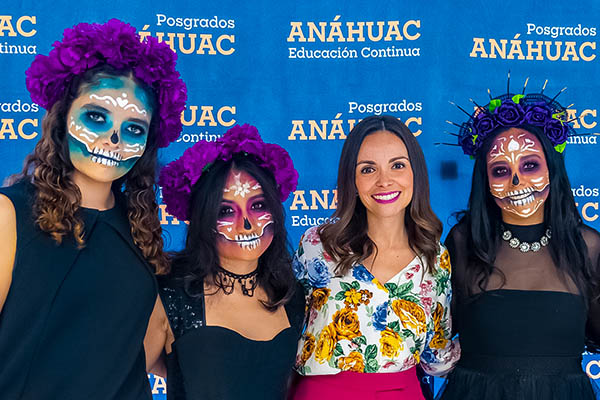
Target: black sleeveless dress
521, 344
212, 362
74, 320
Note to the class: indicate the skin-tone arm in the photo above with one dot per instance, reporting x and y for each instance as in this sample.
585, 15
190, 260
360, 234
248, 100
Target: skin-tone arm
8, 245
158, 339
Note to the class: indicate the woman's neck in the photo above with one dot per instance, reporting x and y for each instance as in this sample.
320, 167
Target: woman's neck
94, 194
240, 267
387, 232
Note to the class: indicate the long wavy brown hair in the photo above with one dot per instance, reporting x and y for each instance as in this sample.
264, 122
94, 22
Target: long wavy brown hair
58, 198
347, 240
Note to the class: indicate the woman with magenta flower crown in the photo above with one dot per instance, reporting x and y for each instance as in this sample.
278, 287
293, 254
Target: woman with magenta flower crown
378, 280
81, 236
525, 274
227, 323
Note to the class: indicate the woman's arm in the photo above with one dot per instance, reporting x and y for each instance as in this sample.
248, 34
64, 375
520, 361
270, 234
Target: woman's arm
8, 245
157, 340
441, 351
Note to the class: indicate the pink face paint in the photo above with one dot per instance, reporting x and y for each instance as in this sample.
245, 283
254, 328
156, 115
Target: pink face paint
518, 173
244, 223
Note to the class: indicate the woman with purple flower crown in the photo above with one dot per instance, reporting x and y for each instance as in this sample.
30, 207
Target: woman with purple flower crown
81, 236
525, 276
227, 323
378, 280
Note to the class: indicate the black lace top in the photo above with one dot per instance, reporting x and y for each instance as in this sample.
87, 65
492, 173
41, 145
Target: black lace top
212, 362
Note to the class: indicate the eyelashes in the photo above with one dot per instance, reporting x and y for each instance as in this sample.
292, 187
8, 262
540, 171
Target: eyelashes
528, 166
95, 117
227, 211
100, 120
368, 169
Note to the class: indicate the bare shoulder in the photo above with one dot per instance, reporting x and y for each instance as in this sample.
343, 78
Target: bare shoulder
7, 210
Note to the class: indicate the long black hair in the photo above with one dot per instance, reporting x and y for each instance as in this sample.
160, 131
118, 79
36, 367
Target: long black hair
199, 260
482, 221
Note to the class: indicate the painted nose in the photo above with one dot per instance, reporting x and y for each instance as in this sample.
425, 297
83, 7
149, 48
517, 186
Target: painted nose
247, 225
515, 180
114, 138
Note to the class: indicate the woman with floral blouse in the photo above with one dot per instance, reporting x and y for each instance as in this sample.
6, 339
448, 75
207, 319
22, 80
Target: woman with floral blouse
378, 279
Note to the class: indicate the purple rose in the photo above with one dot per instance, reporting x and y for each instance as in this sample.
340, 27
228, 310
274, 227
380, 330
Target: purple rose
483, 125
537, 115
466, 142
556, 131
509, 113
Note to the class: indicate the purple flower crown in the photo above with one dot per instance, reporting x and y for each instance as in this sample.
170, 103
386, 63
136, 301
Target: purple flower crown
511, 110
178, 177
117, 44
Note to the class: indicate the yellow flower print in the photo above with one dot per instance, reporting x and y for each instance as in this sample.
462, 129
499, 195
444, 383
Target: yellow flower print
437, 316
325, 344
346, 324
308, 347
411, 315
391, 343
353, 298
365, 296
417, 356
438, 341
379, 285
319, 298
354, 362
445, 261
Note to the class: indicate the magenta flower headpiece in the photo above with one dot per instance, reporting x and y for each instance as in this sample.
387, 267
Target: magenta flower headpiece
510, 110
117, 44
178, 177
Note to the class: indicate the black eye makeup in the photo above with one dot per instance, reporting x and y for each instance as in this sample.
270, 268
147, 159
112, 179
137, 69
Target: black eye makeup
500, 171
226, 211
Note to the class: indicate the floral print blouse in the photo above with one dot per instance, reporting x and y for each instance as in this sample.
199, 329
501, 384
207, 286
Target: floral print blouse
356, 323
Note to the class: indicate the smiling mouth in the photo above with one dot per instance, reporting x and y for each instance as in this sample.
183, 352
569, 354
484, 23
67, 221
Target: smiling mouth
386, 197
106, 157
248, 242
521, 197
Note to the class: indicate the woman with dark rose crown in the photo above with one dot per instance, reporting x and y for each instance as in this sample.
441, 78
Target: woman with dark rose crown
378, 279
525, 275
81, 235
229, 315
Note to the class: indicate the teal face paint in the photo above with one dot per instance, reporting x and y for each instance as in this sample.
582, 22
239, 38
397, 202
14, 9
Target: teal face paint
108, 127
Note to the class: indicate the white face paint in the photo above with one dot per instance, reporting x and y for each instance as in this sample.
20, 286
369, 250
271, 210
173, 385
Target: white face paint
517, 172
243, 222
108, 127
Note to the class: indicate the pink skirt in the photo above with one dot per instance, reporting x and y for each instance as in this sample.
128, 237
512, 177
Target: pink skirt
349, 385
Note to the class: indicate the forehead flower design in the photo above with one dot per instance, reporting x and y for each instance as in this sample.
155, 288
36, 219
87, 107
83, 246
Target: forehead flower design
178, 177
510, 110
117, 44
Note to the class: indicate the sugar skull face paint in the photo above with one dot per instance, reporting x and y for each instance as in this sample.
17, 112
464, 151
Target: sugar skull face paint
244, 223
108, 127
518, 173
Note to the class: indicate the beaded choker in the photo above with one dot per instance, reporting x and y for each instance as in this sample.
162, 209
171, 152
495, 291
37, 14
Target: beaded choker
248, 282
525, 247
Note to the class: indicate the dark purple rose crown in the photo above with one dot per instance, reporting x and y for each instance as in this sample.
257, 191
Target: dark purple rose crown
117, 44
178, 177
511, 110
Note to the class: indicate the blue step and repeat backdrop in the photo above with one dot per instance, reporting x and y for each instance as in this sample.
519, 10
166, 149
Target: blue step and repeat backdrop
305, 72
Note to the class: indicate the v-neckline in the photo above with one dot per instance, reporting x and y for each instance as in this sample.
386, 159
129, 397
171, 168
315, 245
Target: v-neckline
393, 278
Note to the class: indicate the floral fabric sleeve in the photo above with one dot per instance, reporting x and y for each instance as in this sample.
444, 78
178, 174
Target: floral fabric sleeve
440, 352
310, 269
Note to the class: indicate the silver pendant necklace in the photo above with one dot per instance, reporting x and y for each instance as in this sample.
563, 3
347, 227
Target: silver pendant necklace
525, 247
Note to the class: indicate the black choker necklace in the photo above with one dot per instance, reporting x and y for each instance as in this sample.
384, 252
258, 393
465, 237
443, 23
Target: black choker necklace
248, 282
